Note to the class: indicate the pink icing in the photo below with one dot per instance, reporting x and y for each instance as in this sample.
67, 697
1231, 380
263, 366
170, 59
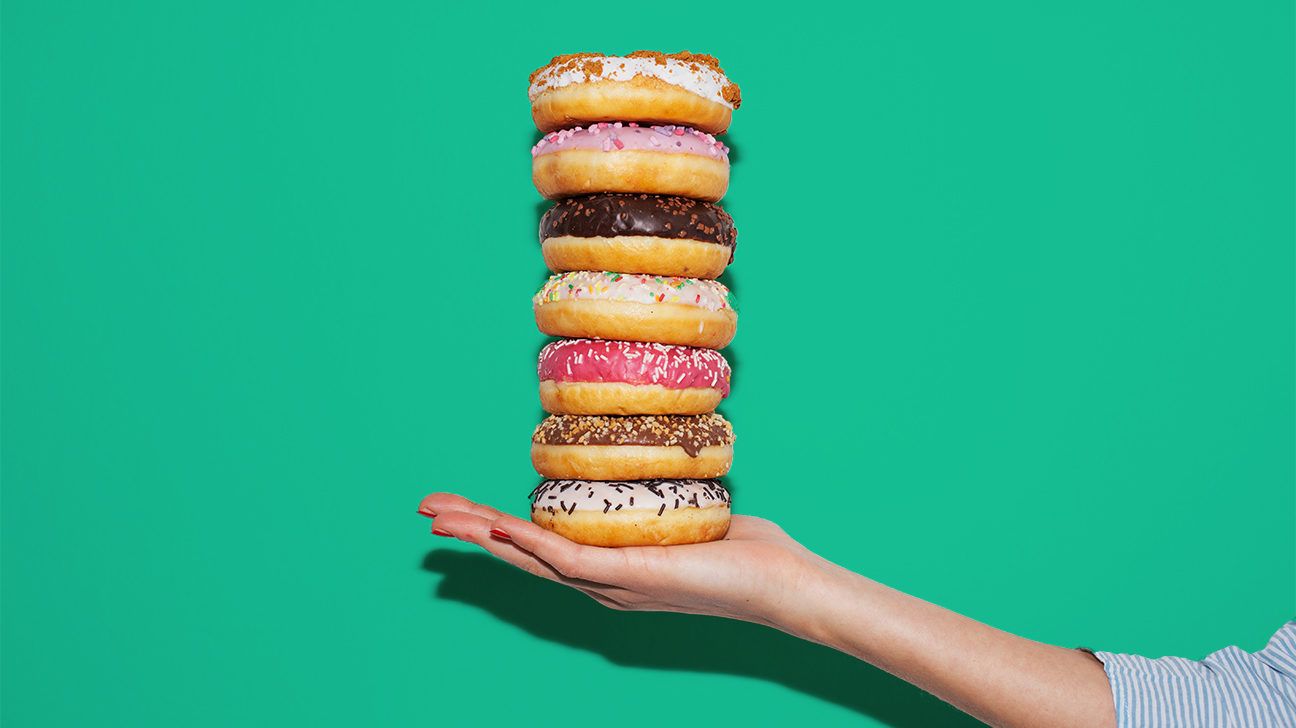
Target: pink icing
632, 362
616, 136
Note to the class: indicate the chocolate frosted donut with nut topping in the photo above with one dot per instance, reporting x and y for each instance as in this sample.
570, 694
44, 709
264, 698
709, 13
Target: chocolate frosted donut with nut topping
632, 447
644, 86
633, 513
654, 234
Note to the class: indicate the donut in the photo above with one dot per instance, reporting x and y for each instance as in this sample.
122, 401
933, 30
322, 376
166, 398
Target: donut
586, 377
635, 447
616, 157
606, 305
633, 513
645, 86
664, 236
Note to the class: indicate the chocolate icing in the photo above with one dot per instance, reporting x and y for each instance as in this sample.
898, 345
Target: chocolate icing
691, 432
608, 215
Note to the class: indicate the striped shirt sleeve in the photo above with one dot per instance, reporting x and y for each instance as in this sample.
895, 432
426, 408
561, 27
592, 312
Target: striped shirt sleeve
1227, 688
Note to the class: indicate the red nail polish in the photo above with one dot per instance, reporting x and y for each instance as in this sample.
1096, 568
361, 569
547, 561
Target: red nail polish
439, 532
429, 514
501, 533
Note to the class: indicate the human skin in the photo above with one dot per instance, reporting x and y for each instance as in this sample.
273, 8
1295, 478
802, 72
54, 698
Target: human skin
759, 574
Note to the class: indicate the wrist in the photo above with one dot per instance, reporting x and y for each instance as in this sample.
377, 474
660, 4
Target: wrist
808, 605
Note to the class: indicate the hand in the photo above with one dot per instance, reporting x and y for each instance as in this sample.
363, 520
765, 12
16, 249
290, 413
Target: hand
759, 574
756, 573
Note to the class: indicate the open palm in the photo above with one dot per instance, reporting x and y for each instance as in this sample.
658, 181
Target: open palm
753, 573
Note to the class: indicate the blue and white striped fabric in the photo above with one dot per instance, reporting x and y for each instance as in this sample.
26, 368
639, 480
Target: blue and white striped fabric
1228, 688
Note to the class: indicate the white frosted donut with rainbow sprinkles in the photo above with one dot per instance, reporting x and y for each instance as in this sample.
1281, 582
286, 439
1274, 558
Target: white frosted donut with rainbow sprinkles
625, 307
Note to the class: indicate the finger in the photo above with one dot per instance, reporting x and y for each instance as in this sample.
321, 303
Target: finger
436, 503
572, 560
462, 525
477, 530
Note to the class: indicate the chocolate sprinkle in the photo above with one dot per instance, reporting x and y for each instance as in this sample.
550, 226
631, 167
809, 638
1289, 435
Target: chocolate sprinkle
674, 494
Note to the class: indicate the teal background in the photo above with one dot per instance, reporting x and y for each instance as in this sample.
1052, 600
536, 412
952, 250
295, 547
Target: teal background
265, 283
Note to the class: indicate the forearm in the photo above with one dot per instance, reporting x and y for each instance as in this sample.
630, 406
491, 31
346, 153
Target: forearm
1000, 678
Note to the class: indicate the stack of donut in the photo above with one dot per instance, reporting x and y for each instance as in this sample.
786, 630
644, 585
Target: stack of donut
632, 449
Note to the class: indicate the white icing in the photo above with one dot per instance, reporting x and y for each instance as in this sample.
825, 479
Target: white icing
586, 285
655, 496
692, 76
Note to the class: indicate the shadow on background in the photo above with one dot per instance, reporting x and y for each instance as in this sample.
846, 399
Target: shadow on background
683, 642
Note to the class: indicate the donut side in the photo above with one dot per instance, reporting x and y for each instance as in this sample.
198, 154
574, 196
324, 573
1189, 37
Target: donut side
629, 462
637, 528
667, 323
620, 398
636, 254
640, 99
583, 171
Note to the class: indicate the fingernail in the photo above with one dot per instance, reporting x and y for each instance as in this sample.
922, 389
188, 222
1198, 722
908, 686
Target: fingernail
501, 533
439, 532
429, 514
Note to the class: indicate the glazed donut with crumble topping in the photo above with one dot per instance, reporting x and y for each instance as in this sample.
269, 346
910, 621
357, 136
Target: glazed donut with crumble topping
644, 86
654, 234
606, 305
617, 157
633, 513
634, 447
587, 377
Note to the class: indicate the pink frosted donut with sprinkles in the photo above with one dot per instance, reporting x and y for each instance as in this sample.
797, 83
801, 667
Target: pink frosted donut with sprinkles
591, 377
628, 157
626, 307
644, 86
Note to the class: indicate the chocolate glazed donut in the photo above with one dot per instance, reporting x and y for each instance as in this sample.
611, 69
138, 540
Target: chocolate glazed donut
632, 447
638, 233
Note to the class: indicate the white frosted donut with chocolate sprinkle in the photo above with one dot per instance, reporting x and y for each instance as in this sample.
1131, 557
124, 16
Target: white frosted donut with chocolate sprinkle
644, 86
633, 512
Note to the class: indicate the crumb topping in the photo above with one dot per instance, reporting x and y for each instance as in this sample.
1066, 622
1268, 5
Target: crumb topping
592, 66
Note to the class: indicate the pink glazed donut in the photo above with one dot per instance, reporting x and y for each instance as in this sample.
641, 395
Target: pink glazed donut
588, 377
616, 157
